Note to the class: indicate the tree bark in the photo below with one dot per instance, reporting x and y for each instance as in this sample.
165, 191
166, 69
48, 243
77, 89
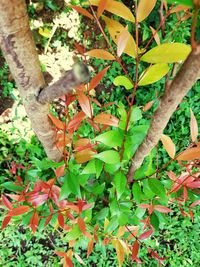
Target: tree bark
19, 50
182, 83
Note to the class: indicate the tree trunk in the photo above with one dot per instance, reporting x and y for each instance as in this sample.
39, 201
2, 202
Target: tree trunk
19, 50
182, 83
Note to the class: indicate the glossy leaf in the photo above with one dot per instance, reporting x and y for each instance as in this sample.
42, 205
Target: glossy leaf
144, 9
82, 11
193, 127
106, 119
116, 8
190, 154
122, 41
120, 183
135, 250
153, 74
123, 81
100, 53
115, 29
146, 234
96, 80
168, 145
167, 53
18, 211
101, 7
111, 138
162, 209
157, 187
155, 35
84, 102
58, 123
108, 156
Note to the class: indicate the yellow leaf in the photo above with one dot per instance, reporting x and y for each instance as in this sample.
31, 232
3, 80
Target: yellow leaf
190, 154
153, 74
115, 29
155, 35
106, 222
116, 8
119, 250
100, 53
101, 7
144, 9
121, 231
122, 41
45, 32
193, 126
167, 53
168, 145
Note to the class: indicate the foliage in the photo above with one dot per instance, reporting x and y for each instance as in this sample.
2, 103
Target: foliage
88, 197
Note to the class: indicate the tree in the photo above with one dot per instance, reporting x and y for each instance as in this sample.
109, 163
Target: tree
113, 182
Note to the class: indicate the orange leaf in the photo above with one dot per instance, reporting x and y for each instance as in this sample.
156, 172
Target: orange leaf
84, 155
69, 262
95, 81
148, 106
34, 221
100, 53
190, 154
122, 41
107, 119
81, 225
162, 209
5, 222
90, 247
84, 103
6, 202
144, 9
179, 8
193, 126
60, 253
146, 234
18, 211
168, 145
61, 220
101, 7
155, 35
60, 171
119, 250
82, 11
135, 250
59, 124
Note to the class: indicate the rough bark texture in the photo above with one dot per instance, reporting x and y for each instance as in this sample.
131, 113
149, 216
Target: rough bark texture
182, 83
70, 80
18, 47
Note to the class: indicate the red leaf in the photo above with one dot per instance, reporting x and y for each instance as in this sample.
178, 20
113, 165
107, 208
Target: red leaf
60, 171
194, 184
195, 203
144, 206
135, 250
37, 199
68, 262
185, 194
59, 124
48, 220
107, 119
6, 202
60, 253
34, 221
146, 234
84, 103
75, 122
82, 11
162, 209
90, 247
13, 170
101, 7
81, 225
61, 220
80, 48
5, 222
18, 211
95, 81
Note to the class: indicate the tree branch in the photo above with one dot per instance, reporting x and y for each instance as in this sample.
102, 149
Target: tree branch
182, 83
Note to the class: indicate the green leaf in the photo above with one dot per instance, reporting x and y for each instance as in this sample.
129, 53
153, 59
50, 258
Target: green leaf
120, 183
98, 167
123, 81
111, 168
153, 74
136, 191
90, 167
113, 224
102, 214
71, 185
111, 138
123, 116
154, 221
108, 156
122, 219
11, 186
136, 114
73, 234
167, 53
157, 187
182, 2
